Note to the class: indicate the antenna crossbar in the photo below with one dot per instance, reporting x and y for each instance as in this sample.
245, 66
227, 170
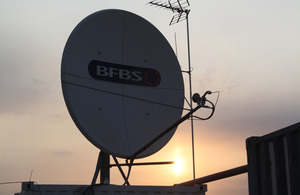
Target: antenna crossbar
178, 18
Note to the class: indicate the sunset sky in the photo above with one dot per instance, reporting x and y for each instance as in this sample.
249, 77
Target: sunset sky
247, 50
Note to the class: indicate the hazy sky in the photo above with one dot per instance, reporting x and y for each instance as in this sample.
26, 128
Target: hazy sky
247, 50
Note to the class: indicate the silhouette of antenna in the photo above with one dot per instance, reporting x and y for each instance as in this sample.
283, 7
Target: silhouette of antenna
179, 6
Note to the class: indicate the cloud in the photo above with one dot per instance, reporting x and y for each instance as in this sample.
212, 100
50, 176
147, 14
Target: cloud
63, 153
29, 70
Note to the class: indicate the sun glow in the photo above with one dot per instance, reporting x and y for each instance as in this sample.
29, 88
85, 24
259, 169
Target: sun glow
178, 166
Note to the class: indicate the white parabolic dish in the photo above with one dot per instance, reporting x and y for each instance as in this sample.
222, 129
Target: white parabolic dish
122, 82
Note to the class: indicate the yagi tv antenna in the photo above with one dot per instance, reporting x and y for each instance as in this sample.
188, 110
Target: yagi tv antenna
180, 7
177, 6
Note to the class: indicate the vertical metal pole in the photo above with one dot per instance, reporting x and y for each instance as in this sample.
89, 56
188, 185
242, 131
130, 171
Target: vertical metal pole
104, 168
191, 98
176, 45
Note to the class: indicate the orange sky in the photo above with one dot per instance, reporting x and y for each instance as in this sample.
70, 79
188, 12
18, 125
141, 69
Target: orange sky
249, 51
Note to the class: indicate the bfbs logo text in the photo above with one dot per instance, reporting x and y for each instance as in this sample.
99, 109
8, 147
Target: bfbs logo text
123, 73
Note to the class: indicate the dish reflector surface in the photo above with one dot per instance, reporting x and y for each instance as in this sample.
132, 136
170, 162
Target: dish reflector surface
121, 82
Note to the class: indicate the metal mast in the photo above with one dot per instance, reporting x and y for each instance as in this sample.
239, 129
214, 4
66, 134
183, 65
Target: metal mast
180, 7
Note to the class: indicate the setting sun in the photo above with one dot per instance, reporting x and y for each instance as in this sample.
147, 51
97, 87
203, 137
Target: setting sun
178, 165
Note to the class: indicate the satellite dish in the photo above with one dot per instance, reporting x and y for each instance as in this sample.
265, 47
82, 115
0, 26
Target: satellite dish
122, 82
